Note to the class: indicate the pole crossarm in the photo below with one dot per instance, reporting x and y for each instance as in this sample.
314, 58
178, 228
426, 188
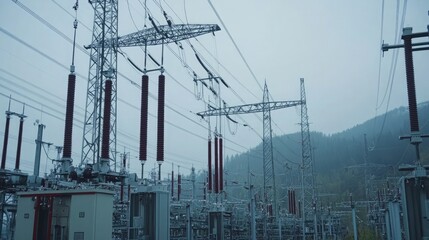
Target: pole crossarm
159, 35
249, 108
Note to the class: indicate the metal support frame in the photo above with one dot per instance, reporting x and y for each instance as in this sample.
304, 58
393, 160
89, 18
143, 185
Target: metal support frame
307, 178
102, 66
268, 164
163, 34
413, 195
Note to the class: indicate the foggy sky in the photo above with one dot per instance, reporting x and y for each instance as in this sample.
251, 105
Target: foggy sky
334, 45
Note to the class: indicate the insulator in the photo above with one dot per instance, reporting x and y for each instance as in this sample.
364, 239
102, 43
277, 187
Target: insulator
122, 192
293, 202
204, 192
270, 209
124, 161
216, 173
161, 105
172, 184
412, 102
144, 117
106, 119
18, 150
5, 142
209, 166
179, 186
68, 129
220, 164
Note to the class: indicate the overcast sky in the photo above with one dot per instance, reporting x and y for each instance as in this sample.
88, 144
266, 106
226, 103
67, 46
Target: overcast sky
333, 44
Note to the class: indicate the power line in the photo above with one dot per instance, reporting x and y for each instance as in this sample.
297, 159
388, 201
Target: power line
235, 45
393, 69
212, 69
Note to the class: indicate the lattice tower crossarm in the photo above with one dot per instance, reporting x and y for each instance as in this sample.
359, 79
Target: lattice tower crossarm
102, 66
159, 35
248, 108
265, 107
308, 193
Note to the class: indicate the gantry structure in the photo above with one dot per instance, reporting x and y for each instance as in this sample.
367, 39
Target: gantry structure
266, 106
103, 66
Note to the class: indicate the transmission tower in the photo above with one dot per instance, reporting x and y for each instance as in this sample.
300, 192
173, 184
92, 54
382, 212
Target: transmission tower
103, 66
267, 151
307, 178
266, 106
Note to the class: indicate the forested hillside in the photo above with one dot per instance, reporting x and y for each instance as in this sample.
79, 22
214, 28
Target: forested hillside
339, 158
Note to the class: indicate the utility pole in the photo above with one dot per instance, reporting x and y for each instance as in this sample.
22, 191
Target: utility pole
413, 197
352, 205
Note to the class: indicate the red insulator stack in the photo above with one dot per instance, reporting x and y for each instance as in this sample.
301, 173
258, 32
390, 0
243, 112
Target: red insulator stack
106, 119
124, 161
216, 173
68, 129
210, 166
204, 192
122, 192
220, 164
409, 67
161, 104
5, 142
179, 186
292, 201
18, 150
172, 183
144, 117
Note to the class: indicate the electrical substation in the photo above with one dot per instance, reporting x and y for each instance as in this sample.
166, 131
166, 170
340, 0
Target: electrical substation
89, 198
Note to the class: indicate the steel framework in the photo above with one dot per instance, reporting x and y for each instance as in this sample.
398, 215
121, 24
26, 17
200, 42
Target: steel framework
308, 193
265, 107
103, 66
159, 35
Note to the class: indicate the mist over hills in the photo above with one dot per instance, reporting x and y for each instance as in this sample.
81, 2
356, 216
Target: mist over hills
339, 158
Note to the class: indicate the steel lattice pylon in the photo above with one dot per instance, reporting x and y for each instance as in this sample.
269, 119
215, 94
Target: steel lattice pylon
307, 178
102, 66
270, 190
268, 164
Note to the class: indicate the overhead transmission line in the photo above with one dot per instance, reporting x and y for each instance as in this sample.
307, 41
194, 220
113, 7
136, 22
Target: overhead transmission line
212, 69
121, 100
153, 20
69, 40
241, 55
65, 67
393, 66
235, 45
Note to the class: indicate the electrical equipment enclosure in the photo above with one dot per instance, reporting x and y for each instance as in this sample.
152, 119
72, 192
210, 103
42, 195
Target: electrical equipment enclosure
415, 204
66, 214
150, 213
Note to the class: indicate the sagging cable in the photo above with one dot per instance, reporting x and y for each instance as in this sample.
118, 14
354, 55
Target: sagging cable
202, 64
130, 61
